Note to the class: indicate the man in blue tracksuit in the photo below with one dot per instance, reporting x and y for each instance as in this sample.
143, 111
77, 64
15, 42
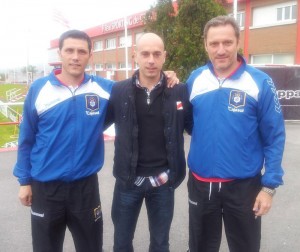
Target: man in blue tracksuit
61, 150
238, 131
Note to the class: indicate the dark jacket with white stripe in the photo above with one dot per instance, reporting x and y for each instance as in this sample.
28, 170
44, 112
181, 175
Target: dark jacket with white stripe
177, 114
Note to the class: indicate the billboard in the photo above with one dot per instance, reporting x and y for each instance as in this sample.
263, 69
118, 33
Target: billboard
287, 82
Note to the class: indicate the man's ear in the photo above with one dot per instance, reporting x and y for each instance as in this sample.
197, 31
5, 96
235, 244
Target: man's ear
135, 57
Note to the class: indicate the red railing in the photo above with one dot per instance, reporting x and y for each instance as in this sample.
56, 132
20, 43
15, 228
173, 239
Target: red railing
9, 123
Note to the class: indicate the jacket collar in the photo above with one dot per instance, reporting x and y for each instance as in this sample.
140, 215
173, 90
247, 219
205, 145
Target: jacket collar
55, 81
237, 73
135, 78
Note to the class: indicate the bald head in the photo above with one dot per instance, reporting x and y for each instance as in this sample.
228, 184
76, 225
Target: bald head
150, 55
150, 38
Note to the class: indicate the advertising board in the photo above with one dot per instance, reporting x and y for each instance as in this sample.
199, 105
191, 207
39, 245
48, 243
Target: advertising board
287, 82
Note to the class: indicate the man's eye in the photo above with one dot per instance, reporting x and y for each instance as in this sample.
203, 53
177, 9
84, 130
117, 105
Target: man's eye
227, 43
82, 52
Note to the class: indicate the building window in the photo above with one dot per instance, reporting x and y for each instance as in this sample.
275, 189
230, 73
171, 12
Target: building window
110, 66
88, 67
98, 67
279, 59
240, 18
110, 43
272, 15
137, 36
287, 13
123, 66
122, 41
98, 46
285, 59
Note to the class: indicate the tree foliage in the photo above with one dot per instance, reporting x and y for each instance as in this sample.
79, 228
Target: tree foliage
161, 19
182, 33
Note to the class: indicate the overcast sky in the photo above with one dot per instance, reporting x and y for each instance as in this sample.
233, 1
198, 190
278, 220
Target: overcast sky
27, 26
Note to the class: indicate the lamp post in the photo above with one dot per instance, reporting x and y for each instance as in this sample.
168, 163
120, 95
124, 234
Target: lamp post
235, 9
126, 47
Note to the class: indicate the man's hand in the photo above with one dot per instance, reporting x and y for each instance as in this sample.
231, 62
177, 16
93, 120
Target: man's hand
25, 195
172, 79
262, 203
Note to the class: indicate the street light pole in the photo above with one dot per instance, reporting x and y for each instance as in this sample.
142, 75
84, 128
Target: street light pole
126, 46
235, 9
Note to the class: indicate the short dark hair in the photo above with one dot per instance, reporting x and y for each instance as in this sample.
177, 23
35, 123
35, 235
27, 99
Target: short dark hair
76, 34
222, 20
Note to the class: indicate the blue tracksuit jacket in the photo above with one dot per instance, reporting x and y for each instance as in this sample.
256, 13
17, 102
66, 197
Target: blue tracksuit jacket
238, 125
61, 133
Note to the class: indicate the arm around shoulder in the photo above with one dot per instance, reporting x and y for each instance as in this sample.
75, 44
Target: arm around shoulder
188, 109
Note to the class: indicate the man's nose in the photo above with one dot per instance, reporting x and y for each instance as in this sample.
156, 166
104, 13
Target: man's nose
221, 49
75, 55
151, 58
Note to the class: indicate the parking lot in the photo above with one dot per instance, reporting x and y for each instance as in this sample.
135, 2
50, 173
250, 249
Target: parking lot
281, 227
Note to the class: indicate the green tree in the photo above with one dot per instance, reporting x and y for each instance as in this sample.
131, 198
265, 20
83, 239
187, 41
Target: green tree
183, 32
161, 19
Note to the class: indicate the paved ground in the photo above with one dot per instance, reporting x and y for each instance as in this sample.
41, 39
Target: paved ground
281, 227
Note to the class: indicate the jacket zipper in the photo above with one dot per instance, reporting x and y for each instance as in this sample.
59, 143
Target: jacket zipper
73, 91
221, 81
148, 96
